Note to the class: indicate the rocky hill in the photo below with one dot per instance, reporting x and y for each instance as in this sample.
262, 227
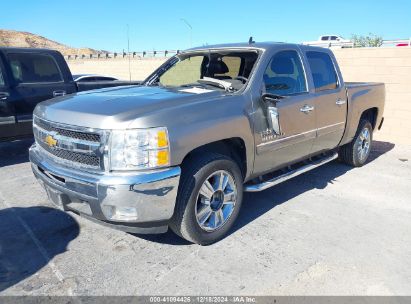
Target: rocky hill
26, 39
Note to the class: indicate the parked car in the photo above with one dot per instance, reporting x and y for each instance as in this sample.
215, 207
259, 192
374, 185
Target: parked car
330, 41
92, 78
207, 125
29, 76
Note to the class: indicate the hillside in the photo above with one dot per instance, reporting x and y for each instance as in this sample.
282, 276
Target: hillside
25, 39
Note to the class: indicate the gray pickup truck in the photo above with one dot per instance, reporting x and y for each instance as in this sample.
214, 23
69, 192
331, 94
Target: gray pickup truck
210, 123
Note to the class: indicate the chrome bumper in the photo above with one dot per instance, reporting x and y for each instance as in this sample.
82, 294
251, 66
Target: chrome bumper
139, 203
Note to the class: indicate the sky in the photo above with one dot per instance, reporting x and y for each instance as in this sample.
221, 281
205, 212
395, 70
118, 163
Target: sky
159, 24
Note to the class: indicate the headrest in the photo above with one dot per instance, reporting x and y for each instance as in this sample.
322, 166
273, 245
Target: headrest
282, 65
217, 67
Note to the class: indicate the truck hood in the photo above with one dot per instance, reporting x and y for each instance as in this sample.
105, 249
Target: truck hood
116, 108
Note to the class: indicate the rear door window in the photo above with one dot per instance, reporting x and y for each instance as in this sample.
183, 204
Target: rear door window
323, 71
34, 68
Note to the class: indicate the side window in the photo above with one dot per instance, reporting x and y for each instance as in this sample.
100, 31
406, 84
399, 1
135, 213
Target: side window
333, 38
324, 38
323, 71
284, 75
1, 78
34, 68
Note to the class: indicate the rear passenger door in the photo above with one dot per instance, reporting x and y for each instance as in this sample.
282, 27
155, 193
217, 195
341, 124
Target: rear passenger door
330, 101
37, 77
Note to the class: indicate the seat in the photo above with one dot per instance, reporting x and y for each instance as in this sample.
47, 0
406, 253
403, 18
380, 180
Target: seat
216, 68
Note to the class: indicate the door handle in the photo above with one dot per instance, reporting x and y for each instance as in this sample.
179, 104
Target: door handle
340, 102
59, 93
4, 95
307, 109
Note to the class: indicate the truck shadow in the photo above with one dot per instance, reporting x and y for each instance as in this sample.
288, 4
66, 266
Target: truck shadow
29, 239
15, 152
257, 204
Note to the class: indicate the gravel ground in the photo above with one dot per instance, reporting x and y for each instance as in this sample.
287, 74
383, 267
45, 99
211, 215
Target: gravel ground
332, 231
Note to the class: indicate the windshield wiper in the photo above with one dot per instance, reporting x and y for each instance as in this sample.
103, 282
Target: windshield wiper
227, 86
194, 84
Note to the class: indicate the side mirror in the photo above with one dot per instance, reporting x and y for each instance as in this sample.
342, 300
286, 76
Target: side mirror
271, 98
271, 101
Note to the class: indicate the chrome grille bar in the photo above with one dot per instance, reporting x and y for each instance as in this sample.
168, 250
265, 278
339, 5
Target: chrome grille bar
71, 145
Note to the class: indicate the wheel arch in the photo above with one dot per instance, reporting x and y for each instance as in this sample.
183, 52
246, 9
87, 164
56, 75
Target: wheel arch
371, 115
234, 148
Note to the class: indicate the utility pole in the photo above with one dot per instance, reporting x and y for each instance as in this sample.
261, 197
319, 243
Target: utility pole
128, 52
191, 30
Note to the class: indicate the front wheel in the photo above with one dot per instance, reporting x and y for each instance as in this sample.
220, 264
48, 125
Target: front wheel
356, 152
208, 200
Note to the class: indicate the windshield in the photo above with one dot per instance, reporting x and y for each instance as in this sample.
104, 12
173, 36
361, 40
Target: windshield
227, 70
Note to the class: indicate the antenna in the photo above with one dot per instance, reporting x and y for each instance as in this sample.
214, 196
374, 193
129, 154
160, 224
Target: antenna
250, 40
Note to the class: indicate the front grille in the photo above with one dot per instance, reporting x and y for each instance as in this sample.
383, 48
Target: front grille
70, 145
75, 157
45, 125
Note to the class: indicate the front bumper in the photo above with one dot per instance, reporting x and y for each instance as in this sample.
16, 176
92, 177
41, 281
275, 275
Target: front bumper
141, 202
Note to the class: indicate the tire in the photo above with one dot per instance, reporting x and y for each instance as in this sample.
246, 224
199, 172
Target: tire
355, 152
192, 201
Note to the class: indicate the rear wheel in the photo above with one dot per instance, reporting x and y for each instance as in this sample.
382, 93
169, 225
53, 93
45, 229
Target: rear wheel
209, 199
357, 151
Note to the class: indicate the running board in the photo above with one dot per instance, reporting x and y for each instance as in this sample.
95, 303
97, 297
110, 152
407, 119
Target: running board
290, 174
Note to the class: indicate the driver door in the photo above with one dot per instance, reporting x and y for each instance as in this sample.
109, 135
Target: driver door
7, 113
284, 76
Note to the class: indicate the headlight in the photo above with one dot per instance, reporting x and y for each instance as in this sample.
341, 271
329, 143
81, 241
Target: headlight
139, 149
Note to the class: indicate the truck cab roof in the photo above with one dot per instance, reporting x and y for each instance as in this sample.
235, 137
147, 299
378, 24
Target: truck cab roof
257, 45
6, 49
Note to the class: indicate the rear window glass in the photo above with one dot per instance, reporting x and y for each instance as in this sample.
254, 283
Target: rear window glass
34, 68
323, 71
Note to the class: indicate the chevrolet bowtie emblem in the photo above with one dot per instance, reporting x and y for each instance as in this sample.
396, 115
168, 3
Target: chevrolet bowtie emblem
50, 141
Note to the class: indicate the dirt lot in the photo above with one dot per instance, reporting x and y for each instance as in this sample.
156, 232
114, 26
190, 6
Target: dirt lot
335, 230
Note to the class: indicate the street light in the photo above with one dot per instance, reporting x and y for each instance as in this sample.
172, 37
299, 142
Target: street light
191, 30
128, 52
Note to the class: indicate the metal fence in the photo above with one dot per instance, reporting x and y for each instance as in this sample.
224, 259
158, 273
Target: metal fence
168, 53
105, 55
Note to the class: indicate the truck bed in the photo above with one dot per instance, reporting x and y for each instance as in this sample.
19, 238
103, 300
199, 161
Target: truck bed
362, 96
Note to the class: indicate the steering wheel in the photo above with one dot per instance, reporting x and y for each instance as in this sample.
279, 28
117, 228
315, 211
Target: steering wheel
242, 79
